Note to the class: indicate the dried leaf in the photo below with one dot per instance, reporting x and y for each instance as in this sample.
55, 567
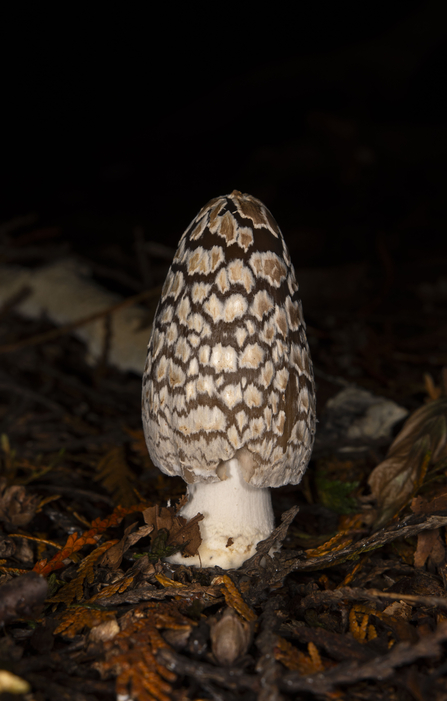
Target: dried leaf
290, 656
350, 522
114, 555
422, 439
399, 608
429, 545
401, 629
397, 479
172, 533
372, 633
360, 627
47, 500
353, 573
428, 420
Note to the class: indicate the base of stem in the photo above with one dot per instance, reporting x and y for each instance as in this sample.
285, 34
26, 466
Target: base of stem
236, 518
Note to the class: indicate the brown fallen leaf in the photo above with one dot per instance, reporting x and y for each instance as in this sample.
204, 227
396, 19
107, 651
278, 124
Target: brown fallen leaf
422, 441
113, 557
396, 480
430, 420
399, 608
429, 545
172, 532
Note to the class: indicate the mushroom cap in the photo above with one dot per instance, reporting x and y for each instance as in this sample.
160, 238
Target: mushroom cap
228, 372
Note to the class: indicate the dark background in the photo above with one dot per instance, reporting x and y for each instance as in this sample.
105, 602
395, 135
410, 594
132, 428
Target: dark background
333, 114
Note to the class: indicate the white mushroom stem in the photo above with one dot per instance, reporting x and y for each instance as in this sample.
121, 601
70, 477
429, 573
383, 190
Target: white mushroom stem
236, 517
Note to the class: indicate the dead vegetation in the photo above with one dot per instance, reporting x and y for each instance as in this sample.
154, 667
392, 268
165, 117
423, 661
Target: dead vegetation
352, 606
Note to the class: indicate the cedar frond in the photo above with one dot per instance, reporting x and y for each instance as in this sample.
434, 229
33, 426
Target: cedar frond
234, 599
75, 619
338, 542
75, 588
75, 542
116, 588
131, 655
294, 659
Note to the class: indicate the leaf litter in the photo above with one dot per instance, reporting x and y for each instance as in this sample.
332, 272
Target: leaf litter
345, 599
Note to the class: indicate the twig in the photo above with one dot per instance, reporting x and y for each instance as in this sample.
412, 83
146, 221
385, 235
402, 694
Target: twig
200, 671
267, 667
379, 668
334, 597
275, 539
62, 330
410, 526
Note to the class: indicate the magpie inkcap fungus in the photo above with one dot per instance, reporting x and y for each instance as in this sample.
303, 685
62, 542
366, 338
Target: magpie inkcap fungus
228, 388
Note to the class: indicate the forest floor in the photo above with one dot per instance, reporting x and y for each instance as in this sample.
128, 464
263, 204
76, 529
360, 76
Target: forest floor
354, 604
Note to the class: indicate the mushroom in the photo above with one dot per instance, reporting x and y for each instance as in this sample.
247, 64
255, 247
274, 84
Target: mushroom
228, 389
